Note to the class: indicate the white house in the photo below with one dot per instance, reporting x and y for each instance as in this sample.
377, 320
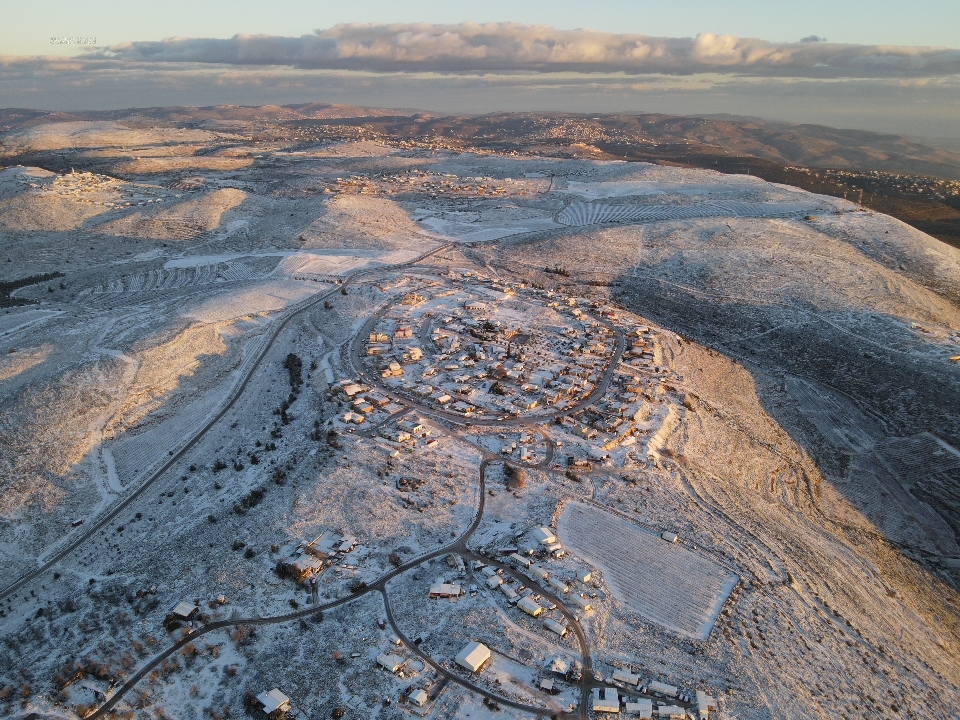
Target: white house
605, 700
641, 707
543, 535
185, 610
473, 656
557, 627
625, 676
273, 701
391, 663
530, 607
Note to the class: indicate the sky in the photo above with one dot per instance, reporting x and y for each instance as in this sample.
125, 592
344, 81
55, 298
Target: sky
887, 66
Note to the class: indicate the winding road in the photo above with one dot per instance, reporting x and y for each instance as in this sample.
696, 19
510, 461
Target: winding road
460, 545
234, 397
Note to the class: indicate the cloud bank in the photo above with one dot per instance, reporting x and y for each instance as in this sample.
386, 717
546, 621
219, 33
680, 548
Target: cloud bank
511, 47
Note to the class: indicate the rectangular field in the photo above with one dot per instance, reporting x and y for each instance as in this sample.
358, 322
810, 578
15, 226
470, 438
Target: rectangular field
669, 585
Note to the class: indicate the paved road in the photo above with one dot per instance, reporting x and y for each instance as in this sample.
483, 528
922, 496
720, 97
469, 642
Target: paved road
460, 545
235, 396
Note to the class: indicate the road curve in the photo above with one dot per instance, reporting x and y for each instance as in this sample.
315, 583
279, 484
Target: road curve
238, 391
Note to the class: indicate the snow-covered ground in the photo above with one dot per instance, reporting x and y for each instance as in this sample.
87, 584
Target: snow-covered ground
815, 575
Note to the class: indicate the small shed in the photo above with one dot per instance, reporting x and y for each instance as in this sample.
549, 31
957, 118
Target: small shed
670, 537
473, 656
584, 576
185, 611
547, 686
273, 702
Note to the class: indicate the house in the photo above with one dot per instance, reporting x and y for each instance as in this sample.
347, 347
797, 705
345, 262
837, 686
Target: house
625, 676
346, 544
605, 700
352, 389
494, 581
659, 688
394, 434
391, 663
640, 707
526, 403
419, 697
378, 399
530, 607
559, 666
581, 601
556, 549
705, 704
411, 426
543, 535
671, 711
559, 585
557, 627
509, 592
300, 567
184, 611
392, 370
547, 686
445, 590
473, 656
273, 702
539, 572
584, 576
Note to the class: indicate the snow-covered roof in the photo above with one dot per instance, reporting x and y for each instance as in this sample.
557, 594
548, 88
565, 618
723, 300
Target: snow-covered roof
605, 700
390, 662
273, 700
640, 706
473, 656
184, 609
543, 535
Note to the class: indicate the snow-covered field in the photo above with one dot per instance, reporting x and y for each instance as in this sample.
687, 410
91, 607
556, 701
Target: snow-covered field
699, 347
662, 581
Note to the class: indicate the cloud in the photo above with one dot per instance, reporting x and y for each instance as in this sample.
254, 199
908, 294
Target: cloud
912, 105
512, 47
